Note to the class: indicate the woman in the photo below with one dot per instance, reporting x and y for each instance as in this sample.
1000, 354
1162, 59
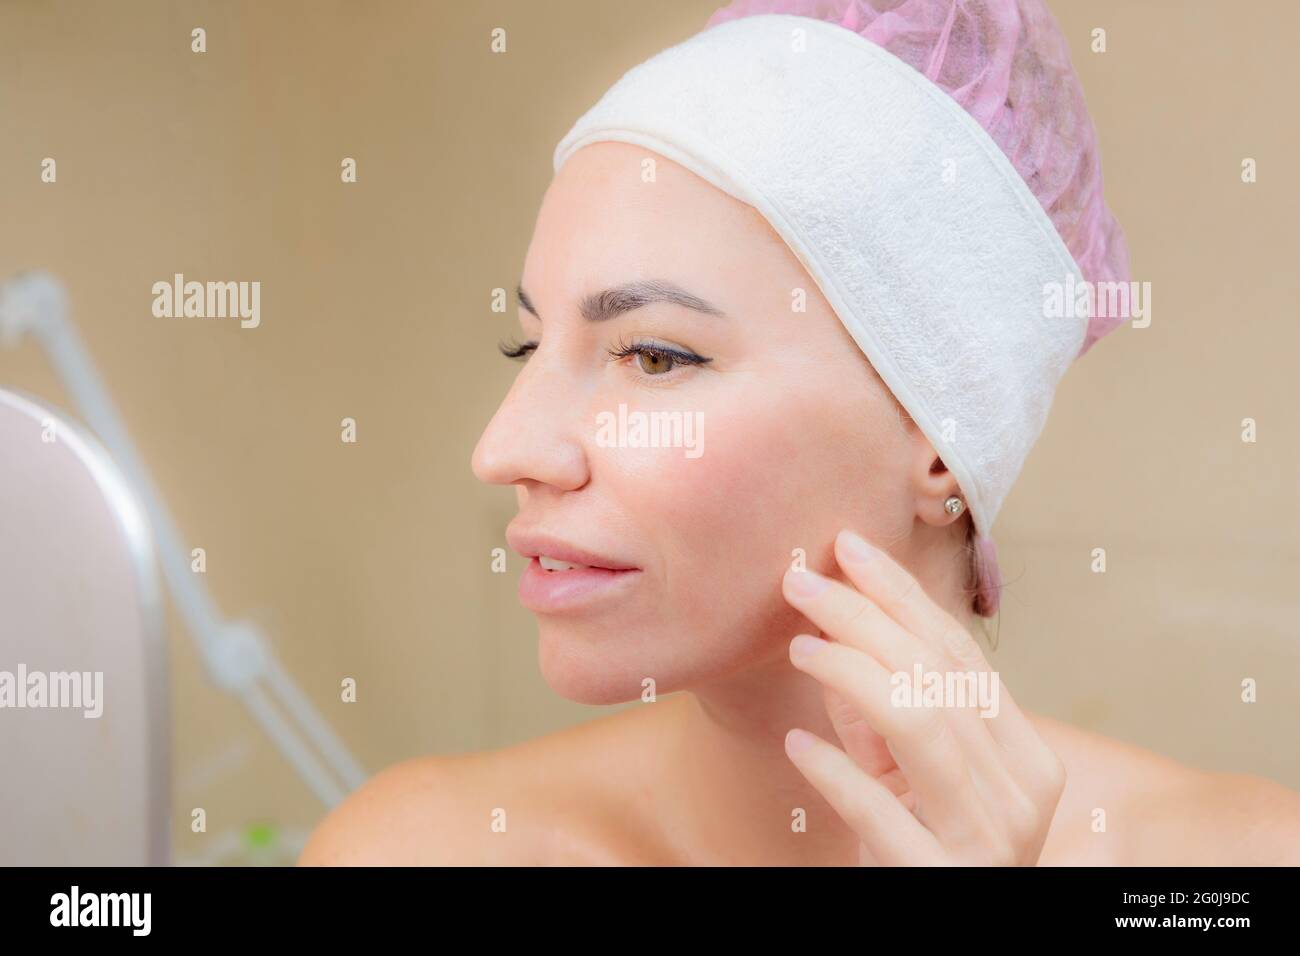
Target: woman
786, 348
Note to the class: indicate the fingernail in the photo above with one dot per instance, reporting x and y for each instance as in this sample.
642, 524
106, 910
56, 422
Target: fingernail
806, 583
856, 547
797, 741
805, 645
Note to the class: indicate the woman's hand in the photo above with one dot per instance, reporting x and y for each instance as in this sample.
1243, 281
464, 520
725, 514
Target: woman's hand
970, 784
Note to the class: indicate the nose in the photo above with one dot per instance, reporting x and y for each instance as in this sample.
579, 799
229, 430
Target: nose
535, 435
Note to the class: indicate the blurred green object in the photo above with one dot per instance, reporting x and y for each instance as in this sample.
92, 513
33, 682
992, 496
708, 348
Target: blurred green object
260, 836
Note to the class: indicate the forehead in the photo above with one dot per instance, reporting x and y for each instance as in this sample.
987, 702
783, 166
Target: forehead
616, 212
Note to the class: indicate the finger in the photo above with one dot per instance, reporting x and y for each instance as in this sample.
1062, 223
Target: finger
920, 738
851, 618
899, 595
986, 734
866, 747
891, 834
897, 784
854, 619
1002, 756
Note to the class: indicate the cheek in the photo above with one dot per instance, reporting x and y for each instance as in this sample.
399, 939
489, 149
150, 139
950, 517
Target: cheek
774, 473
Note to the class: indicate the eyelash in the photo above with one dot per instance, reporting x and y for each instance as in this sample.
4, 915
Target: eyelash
516, 350
520, 350
678, 356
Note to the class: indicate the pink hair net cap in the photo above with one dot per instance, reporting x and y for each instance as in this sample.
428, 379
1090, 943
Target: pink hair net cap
1007, 64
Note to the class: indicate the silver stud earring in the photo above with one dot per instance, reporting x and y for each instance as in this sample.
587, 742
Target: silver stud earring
954, 505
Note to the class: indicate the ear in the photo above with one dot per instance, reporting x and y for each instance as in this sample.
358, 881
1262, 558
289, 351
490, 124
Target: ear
932, 483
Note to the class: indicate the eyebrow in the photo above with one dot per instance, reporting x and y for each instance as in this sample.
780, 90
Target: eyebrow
607, 304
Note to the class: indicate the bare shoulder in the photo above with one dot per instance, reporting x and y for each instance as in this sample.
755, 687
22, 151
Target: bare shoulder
533, 803
1128, 806
1237, 819
412, 813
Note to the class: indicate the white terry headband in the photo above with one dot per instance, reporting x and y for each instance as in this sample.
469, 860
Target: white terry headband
913, 223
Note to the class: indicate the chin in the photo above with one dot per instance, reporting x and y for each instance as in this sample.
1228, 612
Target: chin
611, 667
584, 672
610, 664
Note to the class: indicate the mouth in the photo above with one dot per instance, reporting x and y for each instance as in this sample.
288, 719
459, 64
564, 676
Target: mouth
561, 577
550, 564
572, 588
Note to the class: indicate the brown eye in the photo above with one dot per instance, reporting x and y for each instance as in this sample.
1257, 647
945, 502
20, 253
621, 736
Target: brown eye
654, 360
654, 363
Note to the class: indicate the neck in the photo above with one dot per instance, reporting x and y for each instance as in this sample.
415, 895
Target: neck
731, 792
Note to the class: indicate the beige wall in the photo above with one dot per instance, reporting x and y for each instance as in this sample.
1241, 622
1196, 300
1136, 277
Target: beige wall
369, 560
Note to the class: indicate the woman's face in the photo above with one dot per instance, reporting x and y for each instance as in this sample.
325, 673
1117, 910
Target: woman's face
784, 434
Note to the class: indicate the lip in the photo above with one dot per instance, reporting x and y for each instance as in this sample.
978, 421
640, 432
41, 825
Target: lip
532, 544
553, 592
